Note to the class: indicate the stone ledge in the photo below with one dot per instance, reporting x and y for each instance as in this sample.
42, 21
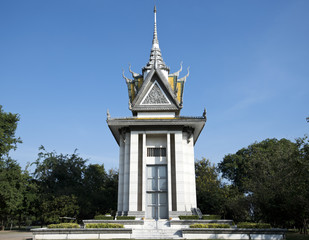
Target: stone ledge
124, 222
80, 230
236, 233
235, 230
189, 221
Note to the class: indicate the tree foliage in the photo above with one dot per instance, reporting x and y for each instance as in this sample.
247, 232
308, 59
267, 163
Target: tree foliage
210, 191
273, 176
11, 189
53, 208
62, 185
88, 189
12, 180
8, 125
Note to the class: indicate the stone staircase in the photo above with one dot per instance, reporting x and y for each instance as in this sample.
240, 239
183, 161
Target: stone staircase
157, 229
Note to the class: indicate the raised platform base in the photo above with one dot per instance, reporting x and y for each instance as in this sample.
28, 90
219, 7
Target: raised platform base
80, 233
160, 229
236, 233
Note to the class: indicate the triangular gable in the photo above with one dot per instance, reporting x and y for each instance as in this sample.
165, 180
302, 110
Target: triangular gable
153, 76
155, 96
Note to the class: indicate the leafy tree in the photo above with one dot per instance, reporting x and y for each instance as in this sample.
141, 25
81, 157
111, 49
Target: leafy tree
27, 211
8, 125
53, 208
297, 182
111, 190
60, 179
12, 180
273, 176
11, 190
94, 198
236, 205
100, 188
209, 188
59, 175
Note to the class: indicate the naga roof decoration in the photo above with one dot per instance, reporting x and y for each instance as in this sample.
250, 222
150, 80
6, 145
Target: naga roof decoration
162, 91
177, 73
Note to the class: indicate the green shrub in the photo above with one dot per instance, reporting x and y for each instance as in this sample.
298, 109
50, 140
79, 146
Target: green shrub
188, 217
253, 225
126, 218
64, 225
211, 217
209, 225
104, 225
103, 217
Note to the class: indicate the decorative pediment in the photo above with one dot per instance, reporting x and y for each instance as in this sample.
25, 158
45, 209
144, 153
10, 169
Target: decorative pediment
155, 96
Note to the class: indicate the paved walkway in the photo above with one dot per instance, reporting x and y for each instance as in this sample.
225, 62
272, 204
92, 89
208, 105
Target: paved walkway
15, 235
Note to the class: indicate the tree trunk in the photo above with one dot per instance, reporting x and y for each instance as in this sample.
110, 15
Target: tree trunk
2, 225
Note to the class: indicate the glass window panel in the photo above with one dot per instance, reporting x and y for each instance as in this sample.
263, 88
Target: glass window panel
151, 172
154, 212
152, 185
162, 184
162, 171
163, 211
151, 198
162, 198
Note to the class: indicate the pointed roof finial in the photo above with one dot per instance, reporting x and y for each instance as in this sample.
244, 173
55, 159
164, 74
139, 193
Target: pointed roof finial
156, 60
155, 41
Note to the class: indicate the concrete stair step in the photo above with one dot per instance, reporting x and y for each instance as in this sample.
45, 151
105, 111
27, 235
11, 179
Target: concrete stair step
157, 234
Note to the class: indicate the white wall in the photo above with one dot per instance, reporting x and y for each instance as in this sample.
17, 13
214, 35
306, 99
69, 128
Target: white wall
156, 140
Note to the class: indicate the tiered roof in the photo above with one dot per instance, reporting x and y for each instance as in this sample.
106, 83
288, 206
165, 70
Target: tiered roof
155, 89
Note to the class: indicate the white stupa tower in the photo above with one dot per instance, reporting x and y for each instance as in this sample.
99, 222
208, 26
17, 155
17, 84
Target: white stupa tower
156, 156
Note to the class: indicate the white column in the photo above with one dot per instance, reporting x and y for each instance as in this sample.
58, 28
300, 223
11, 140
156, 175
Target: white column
191, 168
144, 204
126, 173
169, 171
133, 185
180, 180
189, 171
121, 174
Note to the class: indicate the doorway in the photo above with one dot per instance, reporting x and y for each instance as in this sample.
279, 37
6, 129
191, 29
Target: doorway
157, 192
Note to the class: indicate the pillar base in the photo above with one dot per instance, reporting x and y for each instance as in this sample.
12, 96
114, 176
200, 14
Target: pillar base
176, 214
137, 214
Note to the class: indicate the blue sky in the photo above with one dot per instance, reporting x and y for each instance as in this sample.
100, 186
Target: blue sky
61, 65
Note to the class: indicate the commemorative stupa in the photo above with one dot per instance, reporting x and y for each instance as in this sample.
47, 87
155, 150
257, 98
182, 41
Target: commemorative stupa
156, 156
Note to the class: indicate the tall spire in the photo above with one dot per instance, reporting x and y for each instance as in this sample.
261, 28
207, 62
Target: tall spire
155, 60
155, 41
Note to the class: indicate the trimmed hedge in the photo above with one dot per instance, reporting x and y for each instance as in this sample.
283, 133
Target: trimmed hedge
103, 217
211, 217
188, 217
104, 225
253, 225
210, 225
126, 218
63, 225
